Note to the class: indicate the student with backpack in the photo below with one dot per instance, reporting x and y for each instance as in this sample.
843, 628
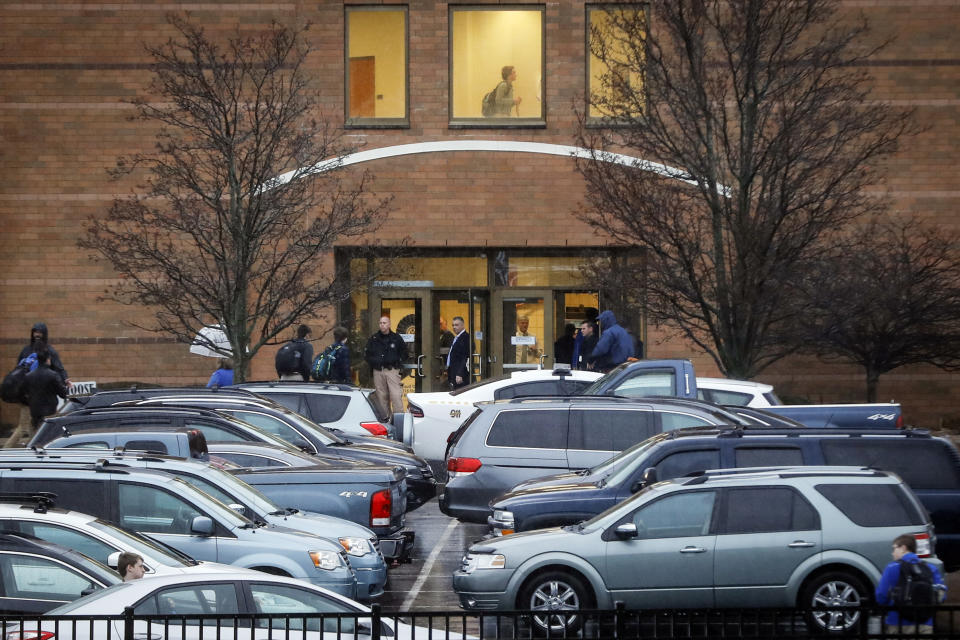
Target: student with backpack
913, 587
293, 359
38, 339
333, 365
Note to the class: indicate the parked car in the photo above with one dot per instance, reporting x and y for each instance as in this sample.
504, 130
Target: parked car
37, 576
256, 455
436, 415
315, 613
170, 510
336, 406
36, 515
742, 393
102, 399
931, 466
795, 536
360, 543
676, 378
509, 441
221, 427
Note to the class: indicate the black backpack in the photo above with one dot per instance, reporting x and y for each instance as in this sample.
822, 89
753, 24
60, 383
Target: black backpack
915, 595
489, 106
11, 389
288, 358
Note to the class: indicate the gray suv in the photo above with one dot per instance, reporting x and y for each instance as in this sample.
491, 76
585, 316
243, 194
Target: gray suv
508, 441
810, 537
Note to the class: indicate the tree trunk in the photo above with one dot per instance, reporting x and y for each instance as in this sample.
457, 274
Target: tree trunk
873, 377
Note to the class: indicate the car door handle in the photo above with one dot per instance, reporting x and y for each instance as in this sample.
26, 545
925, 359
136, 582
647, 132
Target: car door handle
693, 550
800, 544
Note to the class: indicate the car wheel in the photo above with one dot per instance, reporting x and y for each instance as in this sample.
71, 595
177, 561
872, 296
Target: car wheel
553, 592
836, 591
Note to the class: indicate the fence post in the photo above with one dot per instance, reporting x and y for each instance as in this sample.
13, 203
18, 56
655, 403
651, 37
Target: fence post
128, 623
618, 618
375, 621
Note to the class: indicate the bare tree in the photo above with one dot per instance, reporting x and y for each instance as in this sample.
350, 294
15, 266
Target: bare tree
888, 297
244, 194
760, 112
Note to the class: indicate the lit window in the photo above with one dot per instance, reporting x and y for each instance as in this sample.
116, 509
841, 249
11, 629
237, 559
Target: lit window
497, 52
615, 41
376, 66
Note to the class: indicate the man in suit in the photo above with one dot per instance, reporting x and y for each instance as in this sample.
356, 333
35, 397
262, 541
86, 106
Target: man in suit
458, 372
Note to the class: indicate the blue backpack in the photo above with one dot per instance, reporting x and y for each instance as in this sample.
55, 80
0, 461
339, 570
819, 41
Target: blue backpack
323, 363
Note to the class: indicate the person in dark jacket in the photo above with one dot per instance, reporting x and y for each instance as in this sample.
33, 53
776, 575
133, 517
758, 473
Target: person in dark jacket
458, 371
385, 353
904, 550
38, 339
563, 346
340, 371
588, 340
577, 360
298, 367
42, 387
614, 345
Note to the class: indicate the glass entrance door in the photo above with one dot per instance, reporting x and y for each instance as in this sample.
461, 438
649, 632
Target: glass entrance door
525, 327
408, 315
472, 306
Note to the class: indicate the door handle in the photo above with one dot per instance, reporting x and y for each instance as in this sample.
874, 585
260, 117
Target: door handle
542, 358
693, 550
800, 544
420, 365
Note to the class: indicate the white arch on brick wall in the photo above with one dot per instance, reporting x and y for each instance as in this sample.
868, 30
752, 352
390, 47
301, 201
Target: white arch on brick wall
502, 146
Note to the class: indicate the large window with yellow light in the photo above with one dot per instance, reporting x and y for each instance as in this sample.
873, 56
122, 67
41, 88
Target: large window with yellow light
496, 65
616, 36
376, 92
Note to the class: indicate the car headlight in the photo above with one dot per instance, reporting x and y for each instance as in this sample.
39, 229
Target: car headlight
473, 561
326, 560
356, 546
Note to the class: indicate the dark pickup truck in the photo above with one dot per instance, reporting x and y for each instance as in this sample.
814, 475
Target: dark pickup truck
676, 378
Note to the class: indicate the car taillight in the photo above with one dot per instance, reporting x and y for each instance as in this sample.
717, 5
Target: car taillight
381, 504
924, 549
375, 428
463, 465
30, 635
900, 424
414, 410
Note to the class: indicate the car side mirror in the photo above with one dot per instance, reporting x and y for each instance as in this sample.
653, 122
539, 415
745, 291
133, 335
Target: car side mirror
239, 508
113, 560
90, 590
650, 477
626, 530
202, 525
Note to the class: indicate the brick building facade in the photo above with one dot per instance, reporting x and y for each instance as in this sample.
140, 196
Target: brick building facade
66, 69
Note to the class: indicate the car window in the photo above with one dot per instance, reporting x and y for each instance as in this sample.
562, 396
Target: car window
535, 429
923, 464
670, 420
154, 446
647, 383
267, 423
152, 510
74, 493
766, 510
537, 388
734, 398
679, 464
608, 429
213, 433
478, 384
327, 407
874, 505
89, 444
251, 460
768, 456
197, 599
35, 578
678, 515
278, 599
70, 538
291, 401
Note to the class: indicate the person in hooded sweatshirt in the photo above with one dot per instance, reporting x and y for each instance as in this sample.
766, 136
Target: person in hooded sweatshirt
41, 388
613, 347
39, 338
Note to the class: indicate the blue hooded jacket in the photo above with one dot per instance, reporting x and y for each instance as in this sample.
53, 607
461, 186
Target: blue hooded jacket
614, 346
889, 580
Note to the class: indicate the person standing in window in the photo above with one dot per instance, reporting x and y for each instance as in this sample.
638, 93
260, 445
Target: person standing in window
526, 353
504, 99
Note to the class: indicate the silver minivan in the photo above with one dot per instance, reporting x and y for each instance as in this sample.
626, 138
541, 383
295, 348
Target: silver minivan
768, 537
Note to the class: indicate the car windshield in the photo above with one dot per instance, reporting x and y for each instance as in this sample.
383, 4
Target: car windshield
303, 422
99, 594
215, 509
477, 385
621, 465
263, 434
133, 542
217, 483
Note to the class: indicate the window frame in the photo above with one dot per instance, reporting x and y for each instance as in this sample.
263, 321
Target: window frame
376, 123
481, 122
599, 121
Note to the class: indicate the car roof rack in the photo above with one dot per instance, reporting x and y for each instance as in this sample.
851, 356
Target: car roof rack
42, 500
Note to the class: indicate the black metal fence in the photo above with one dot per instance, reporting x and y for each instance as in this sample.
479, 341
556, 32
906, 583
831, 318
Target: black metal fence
619, 623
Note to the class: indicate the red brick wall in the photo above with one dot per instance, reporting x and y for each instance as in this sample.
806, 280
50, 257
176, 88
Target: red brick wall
65, 69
